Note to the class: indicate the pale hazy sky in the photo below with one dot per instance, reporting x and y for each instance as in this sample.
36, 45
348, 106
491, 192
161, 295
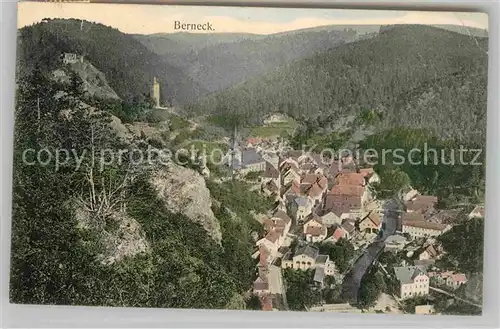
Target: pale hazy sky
148, 19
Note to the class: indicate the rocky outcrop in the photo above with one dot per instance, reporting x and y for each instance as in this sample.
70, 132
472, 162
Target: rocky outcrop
184, 191
124, 237
120, 129
94, 81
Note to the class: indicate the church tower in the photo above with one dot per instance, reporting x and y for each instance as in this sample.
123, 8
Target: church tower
155, 93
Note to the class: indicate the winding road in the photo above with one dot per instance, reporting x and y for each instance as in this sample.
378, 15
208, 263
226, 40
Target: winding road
390, 224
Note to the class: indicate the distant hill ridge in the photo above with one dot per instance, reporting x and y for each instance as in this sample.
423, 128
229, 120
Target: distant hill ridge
397, 73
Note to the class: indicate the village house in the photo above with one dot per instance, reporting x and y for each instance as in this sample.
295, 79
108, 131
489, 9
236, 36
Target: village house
272, 241
315, 193
324, 267
71, 58
429, 252
341, 204
439, 278
253, 142
308, 257
300, 208
297, 156
270, 189
351, 178
353, 191
420, 229
287, 260
270, 173
413, 281
421, 203
413, 216
335, 234
315, 234
477, 212
349, 228
455, 280
290, 176
330, 219
319, 276
448, 216
260, 286
328, 265
370, 223
271, 157
314, 230
305, 258
275, 118
281, 219
448, 278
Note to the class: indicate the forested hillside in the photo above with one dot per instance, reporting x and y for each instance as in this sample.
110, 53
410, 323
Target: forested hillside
104, 237
219, 65
128, 65
184, 42
411, 75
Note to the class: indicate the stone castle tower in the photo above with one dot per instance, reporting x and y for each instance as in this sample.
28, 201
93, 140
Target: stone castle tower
155, 92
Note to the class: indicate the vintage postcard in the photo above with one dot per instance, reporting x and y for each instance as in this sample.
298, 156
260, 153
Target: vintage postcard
245, 158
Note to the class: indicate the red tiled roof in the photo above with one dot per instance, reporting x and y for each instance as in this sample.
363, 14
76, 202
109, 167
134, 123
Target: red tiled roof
315, 191
459, 277
316, 231
322, 182
334, 168
352, 190
421, 203
356, 179
282, 215
338, 234
273, 236
413, 216
424, 224
263, 255
254, 140
309, 179
268, 224
374, 218
340, 204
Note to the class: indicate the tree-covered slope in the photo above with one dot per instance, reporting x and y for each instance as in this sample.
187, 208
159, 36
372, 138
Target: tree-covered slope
67, 219
221, 64
413, 75
128, 65
184, 42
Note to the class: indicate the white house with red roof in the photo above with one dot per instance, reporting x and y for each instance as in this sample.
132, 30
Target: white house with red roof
370, 223
455, 280
337, 234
